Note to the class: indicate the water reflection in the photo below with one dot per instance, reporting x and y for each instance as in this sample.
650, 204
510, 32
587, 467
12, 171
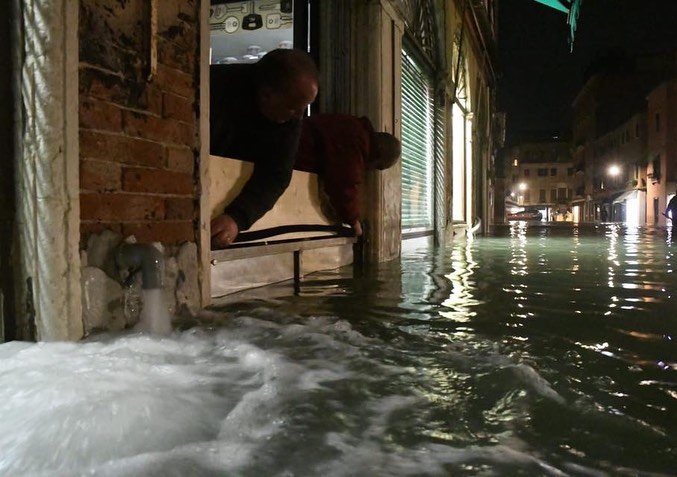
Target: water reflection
506, 355
461, 299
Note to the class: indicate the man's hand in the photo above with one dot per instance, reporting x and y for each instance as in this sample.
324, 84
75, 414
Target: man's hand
224, 230
357, 227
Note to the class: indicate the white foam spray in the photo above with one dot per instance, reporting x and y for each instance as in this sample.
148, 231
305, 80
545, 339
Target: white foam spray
155, 317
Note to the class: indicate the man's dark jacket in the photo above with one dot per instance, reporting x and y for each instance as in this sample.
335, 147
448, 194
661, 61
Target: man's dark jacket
238, 130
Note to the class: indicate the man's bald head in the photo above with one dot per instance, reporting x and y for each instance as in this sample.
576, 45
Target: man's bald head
288, 82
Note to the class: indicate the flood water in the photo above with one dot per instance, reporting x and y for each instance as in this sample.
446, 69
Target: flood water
536, 351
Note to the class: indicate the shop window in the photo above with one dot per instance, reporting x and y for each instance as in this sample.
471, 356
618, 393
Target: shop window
242, 32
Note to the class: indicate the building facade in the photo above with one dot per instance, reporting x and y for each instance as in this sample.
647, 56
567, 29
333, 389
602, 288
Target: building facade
661, 169
616, 147
110, 139
540, 175
619, 172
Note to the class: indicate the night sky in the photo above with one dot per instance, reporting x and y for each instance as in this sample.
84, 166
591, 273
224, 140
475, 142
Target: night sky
538, 74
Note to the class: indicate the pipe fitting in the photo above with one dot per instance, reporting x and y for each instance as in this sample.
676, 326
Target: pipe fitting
144, 257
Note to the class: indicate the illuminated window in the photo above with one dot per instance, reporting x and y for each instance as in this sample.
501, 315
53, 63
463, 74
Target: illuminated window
242, 32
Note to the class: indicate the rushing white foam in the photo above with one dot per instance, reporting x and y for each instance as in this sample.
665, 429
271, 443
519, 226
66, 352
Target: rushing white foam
266, 394
155, 317
195, 404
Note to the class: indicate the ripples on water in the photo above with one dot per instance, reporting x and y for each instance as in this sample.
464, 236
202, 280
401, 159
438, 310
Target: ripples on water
540, 351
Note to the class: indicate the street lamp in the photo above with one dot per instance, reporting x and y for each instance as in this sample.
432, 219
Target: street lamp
614, 170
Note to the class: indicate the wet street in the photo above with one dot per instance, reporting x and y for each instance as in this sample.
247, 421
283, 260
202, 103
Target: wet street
534, 351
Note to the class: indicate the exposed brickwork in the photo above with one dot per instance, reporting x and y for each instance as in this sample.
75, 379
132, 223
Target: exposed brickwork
179, 209
110, 207
153, 181
165, 232
138, 138
100, 176
99, 115
90, 228
179, 108
176, 81
108, 86
160, 129
174, 56
180, 159
119, 148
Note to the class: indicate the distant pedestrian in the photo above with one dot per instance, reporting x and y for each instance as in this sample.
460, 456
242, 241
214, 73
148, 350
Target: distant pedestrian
671, 209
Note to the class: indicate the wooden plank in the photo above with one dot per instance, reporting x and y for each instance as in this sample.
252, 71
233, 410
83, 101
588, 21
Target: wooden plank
260, 249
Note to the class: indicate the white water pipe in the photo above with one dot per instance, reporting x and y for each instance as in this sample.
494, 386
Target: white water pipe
145, 257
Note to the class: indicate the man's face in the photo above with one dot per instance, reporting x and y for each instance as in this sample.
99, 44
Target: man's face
282, 105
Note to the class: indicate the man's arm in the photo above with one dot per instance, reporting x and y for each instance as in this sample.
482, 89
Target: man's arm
256, 198
273, 154
259, 195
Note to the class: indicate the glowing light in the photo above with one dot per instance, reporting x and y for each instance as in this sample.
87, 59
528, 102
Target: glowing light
614, 170
632, 210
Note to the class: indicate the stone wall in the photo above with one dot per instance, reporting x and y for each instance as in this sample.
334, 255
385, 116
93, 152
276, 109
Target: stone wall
112, 298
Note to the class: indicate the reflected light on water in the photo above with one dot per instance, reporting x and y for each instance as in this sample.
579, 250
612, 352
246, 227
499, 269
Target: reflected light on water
461, 298
612, 257
518, 248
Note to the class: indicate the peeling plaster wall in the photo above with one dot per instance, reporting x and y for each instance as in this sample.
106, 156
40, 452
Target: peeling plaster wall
139, 147
45, 162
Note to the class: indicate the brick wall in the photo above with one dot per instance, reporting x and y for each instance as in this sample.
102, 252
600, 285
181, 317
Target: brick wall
139, 138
